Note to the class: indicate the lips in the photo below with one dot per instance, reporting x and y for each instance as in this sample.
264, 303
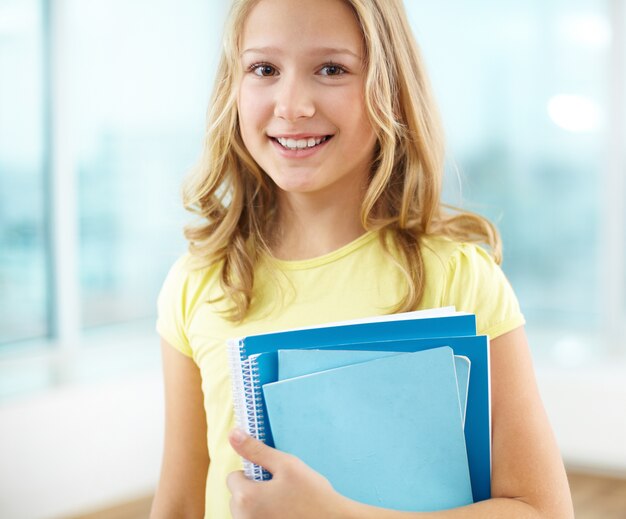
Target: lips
301, 142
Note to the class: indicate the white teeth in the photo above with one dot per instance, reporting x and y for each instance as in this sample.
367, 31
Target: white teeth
300, 144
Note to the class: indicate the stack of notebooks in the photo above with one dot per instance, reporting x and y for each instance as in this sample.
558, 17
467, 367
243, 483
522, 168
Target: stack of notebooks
394, 411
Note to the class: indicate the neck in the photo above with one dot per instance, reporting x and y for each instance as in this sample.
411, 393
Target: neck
311, 227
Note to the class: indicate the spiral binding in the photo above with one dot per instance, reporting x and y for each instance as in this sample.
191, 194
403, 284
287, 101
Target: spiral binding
247, 401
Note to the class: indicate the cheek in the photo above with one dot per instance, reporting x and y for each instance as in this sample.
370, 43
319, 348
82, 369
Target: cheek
253, 107
246, 112
348, 110
363, 121
361, 129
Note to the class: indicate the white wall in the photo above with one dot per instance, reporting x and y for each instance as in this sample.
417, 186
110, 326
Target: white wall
79, 448
587, 408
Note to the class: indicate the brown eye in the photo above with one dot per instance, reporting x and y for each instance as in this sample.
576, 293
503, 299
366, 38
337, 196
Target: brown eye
264, 70
332, 70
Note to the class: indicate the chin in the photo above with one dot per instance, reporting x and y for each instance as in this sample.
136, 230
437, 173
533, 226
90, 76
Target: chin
294, 185
295, 188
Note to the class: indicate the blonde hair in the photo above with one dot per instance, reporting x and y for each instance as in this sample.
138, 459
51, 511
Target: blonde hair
236, 202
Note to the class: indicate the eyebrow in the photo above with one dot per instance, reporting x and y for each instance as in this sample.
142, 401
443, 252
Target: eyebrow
316, 51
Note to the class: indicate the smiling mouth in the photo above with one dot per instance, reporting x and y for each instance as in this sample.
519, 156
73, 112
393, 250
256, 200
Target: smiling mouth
301, 144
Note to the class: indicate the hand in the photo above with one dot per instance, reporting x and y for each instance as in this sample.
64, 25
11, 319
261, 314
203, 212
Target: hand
295, 490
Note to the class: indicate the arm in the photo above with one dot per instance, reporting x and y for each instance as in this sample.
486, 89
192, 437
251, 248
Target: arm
180, 492
528, 478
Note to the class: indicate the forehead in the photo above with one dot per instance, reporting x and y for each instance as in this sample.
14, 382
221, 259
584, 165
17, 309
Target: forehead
300, 24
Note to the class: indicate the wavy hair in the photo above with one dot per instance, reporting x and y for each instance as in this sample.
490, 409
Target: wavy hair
235, 201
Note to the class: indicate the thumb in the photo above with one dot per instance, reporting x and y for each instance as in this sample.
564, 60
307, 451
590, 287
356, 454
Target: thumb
254, 450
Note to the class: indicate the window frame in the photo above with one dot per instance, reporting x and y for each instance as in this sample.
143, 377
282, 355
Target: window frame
612, 252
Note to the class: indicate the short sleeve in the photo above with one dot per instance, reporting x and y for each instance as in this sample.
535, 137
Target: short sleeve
171, 319
475, 283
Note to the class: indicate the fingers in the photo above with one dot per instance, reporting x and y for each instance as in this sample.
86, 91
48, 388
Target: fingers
236, 481
243, 500
254, 450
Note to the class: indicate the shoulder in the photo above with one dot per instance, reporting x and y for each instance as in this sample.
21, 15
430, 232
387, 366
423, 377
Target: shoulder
466, 276
445, 250
191, 270
188, 283
450, 258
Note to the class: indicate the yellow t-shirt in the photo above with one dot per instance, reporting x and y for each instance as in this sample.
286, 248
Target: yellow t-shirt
357, 280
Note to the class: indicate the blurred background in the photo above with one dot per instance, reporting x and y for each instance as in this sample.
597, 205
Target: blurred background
102, 109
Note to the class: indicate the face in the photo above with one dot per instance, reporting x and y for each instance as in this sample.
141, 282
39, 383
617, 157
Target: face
301, 103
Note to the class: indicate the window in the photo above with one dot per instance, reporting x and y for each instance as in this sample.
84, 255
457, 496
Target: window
525, 97
138, 105
24, 287
102, 113
102, 106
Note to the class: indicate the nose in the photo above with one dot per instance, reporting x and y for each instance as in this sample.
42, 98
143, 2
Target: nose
293, 99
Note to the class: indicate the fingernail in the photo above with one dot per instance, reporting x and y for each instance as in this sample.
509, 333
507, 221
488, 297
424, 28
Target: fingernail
238, 436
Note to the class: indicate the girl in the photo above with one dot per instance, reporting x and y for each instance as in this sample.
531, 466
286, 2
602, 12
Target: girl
318, 197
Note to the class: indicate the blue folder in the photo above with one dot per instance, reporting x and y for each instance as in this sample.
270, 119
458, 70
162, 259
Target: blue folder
386, 432
295, 363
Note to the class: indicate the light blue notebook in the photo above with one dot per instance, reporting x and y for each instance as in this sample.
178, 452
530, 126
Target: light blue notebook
295, 363
386, 432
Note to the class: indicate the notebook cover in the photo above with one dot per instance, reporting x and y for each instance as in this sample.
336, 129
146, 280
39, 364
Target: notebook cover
295, 363
385, 432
